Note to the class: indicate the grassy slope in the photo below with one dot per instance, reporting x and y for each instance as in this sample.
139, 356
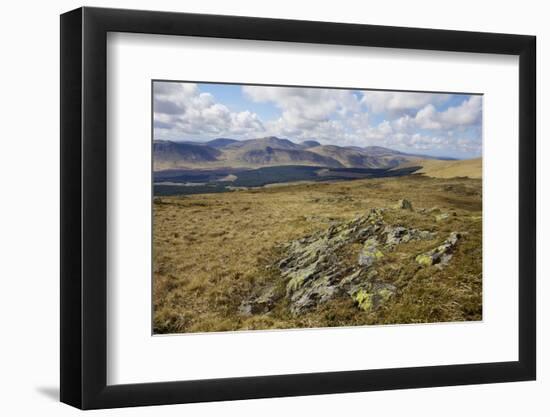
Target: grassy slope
211, 252
448, 169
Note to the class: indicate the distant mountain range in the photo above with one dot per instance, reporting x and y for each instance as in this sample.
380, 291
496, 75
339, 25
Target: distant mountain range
272, 151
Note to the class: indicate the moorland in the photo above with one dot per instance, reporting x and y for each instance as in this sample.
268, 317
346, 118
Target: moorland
254, 238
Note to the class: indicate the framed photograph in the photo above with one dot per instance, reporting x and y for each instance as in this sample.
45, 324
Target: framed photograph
256, 208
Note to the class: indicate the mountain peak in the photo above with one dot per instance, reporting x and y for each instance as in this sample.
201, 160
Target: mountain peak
310, 143
220, 142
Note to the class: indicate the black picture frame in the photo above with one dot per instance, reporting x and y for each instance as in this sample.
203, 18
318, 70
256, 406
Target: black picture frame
84, 207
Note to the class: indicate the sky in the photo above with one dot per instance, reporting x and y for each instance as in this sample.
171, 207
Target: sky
423, 123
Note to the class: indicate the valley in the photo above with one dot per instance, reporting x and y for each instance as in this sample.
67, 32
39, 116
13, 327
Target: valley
220, 165
186, 182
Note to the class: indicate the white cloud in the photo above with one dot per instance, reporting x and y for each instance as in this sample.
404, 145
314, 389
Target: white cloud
468, 113
418, 142
181, 110
380, 132
428, 118
459, 117
309, 111
381, 101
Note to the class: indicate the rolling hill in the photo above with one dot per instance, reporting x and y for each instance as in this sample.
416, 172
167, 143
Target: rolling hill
272, 151
310, 144
169, 154
471, 168
261, 143
271, 156
352, 157
220, 142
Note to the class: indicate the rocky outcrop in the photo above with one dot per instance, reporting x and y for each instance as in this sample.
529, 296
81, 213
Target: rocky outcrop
396, 235
404, 204
374, 295
441, 217
260, 303
314, 269
370, 253
312, 265
440, 255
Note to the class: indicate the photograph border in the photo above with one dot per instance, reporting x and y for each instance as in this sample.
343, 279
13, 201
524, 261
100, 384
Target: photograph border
152, 183
83, 311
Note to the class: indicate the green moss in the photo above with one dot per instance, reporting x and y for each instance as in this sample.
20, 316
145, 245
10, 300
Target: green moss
424, 260
363, 300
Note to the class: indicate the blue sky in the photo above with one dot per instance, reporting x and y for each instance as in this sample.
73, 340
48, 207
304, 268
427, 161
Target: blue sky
424, 123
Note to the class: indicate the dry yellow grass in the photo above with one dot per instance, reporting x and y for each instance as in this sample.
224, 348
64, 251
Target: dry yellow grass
211, 251
470, 168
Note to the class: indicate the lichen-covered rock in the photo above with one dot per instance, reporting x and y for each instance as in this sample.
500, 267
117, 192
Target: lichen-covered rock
395, 235
316, 268
363, 300
453, 238
440, 255
312, 268
261, 303
370, 253
404, 204
425, 235
373, 295
317, 292
425, 259
441, 217
351, 282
